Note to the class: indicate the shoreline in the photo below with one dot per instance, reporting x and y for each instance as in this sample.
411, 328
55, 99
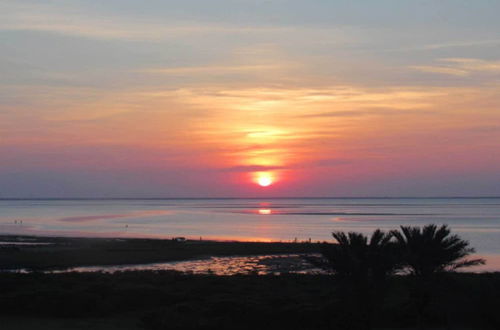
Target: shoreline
68, 252
21, 253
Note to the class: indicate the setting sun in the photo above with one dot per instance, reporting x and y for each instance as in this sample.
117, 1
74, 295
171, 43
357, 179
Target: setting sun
264, 180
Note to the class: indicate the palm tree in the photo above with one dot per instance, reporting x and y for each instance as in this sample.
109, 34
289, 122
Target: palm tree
361, 265
426, 253
356, 257
431, 250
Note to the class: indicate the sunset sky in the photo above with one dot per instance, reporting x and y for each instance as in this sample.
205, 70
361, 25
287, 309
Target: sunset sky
196, 98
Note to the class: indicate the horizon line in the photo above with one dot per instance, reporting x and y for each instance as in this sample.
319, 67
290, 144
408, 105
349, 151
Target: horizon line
254, 197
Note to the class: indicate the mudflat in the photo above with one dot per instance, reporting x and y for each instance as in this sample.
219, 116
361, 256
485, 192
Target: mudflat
46, 253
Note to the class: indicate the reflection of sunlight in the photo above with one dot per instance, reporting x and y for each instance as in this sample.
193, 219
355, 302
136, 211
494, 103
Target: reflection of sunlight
492, 263
265, 211
260, 265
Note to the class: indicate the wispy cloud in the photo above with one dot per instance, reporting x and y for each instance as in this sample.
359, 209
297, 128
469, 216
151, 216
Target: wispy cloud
366, 112
469, 43
216, 69
474, 64
441, 70
446, 45
252, 168
305, 100
70, 20
461, 66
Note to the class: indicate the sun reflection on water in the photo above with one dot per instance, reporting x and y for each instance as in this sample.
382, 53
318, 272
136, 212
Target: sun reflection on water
258, 265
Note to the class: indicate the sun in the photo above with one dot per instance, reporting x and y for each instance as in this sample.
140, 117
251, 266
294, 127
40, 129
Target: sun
265, 180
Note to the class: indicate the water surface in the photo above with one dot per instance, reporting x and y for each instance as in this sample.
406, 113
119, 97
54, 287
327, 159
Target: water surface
475, 219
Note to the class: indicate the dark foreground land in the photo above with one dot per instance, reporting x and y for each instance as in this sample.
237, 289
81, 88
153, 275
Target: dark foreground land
169, 300
61, 252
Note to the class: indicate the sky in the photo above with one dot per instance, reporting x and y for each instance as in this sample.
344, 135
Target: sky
196, 98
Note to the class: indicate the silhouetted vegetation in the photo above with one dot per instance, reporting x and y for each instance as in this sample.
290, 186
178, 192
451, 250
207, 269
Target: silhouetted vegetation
428, 253
168, 300
363, 265
423, 252
356, 258
430, 250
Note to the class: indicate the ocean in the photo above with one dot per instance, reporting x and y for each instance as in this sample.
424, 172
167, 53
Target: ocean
297, 219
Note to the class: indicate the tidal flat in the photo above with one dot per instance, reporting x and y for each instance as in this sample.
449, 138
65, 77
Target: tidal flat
31, 253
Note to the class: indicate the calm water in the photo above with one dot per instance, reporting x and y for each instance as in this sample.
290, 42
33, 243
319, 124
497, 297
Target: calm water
475, 219
258, 265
